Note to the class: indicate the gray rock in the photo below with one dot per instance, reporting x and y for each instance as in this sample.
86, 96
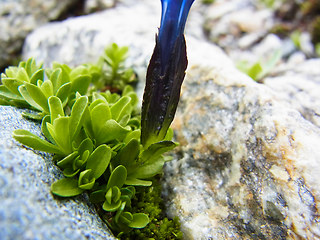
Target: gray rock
247, 166
28, 210
248, 163
18, 18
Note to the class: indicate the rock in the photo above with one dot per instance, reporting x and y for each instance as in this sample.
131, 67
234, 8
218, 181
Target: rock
28, 210
248, 163
96, 5
18, 18
247, 166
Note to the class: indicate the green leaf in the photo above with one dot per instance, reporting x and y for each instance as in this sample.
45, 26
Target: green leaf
155, 150
25, 94
12, 85
132, 135
33, 141
56, 108
140, 220
22, 75
37, 95
100, 114
46, 88
137, 182
81, 84
129, 153
120, 108
59, 131
44, 129
63, 92
66, 187
70, 172
125, 218
97, 196
99, 160
77, 115
6, 94
117, 177
86, 180
111, 207
38, 75
68, 160
111, 130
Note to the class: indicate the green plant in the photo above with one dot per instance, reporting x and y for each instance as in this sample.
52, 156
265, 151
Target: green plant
258, 70
94, 135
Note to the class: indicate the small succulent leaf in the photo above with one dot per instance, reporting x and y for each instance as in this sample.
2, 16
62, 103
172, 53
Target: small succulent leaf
54, 76
59, 131
111, 207
25, 94
44, 129
33, 116
97, 196
169, 135
137, 182
77, 116
120, 211
108, 196
126, 218
100, 114
129, 153
46, 88
140, 220
124, 120
111, 130
95, 103
134, 123
56, 108
63, 92
87, 124
27, 138
126, 199
134, 98
117, 177
6, 94
148, 169
86, 181
12, 85
22, 75
66, 187
155, 150
37, 95
68, 160
81, 84
121, 108
38, 75
96, 96
132, 135
116, 194
70, 172
85, 145
99, 160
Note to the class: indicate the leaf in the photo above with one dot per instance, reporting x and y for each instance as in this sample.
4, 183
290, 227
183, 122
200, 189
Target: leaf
46, 88
37, 95
33, 141
12, 85
67, 161
22, 75
129, 153
77, 116
63, 92
111, 130
38, 75
99, 160
5, 93
156, 150
86, 180
121, 108
56, 108
59, 131
100, 114
25, 94
137, 182
66, 187
117, 177
140, 220
132, 135
97, 196
44, 129
81, 84
111, 207
70, 172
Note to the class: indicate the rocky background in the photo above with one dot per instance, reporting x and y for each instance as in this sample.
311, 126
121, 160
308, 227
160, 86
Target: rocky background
248, 165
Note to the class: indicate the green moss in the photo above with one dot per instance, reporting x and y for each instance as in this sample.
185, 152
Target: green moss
149, 201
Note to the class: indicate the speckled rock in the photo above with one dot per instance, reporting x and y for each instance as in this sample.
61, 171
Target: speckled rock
18, 18
28, 210
248, 166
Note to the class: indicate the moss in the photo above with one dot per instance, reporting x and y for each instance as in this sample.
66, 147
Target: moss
149, 201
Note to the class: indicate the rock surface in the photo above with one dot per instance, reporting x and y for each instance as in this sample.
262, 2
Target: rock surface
28, 210
18, 18
248, 163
